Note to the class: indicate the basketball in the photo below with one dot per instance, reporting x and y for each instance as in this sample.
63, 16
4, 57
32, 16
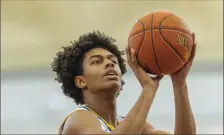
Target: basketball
162, 41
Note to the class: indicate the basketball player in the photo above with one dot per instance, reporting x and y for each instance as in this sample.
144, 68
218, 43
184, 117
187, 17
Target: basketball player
91, 70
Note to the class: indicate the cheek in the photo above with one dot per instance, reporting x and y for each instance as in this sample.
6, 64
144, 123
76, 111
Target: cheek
118, 70
90, 70
92, 79
92, 75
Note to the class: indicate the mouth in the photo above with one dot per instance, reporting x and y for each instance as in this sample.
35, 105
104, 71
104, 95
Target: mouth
111, 73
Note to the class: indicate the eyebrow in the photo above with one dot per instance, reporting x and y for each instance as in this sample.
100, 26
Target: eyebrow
109, 56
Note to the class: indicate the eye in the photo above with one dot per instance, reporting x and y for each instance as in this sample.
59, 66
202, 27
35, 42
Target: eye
114, 61
96, 62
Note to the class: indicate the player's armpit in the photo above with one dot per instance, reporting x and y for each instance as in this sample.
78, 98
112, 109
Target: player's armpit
82, 122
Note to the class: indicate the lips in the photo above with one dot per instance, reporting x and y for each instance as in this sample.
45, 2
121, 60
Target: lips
111, 72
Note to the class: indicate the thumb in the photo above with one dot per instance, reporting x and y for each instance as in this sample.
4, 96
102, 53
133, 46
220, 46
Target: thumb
158, 78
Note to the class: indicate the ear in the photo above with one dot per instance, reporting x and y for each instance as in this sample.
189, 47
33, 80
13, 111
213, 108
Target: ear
80, 82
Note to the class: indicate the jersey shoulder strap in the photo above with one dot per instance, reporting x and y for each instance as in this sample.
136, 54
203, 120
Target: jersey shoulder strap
64, 120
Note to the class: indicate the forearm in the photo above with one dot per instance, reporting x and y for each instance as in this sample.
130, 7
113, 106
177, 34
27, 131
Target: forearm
150, 130
184, 119
135, 120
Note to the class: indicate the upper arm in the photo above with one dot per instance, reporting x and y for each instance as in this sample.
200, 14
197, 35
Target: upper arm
149, 129
82, 122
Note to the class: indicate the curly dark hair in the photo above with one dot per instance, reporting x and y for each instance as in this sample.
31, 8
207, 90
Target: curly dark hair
68, 63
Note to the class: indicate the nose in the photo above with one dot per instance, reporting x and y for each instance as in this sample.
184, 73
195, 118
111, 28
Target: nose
109, 64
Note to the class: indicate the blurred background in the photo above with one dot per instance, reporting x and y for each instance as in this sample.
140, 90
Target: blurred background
33, 31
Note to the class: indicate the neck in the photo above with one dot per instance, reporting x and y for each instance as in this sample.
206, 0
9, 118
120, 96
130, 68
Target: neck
103, 106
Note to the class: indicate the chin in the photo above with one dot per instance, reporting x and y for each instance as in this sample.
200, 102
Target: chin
112, 85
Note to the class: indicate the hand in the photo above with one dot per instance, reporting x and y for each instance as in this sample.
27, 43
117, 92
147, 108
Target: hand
144, 79
181, 75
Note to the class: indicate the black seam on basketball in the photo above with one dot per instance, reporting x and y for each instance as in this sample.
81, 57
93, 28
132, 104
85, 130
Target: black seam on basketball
142, 39
135, 33
153, 47
130, 38
179, 32
166, 40
158, 29
167, 43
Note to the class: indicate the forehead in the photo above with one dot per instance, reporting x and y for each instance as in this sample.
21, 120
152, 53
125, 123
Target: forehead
97, 51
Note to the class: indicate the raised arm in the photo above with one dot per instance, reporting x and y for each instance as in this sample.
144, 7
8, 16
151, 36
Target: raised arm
184, 118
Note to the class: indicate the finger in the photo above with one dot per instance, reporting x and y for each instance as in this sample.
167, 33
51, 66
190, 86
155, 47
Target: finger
193, 53
127, 53
193, 48
133, 55
158, 78
193, 35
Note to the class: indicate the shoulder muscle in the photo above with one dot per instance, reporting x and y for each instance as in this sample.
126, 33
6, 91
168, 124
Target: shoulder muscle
82, 122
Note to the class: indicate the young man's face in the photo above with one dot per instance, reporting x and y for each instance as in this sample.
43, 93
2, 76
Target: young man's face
101, 71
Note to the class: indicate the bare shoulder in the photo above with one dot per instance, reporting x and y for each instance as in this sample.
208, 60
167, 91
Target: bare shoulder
82, 122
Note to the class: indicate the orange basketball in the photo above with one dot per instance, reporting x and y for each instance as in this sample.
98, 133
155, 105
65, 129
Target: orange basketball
162, 41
